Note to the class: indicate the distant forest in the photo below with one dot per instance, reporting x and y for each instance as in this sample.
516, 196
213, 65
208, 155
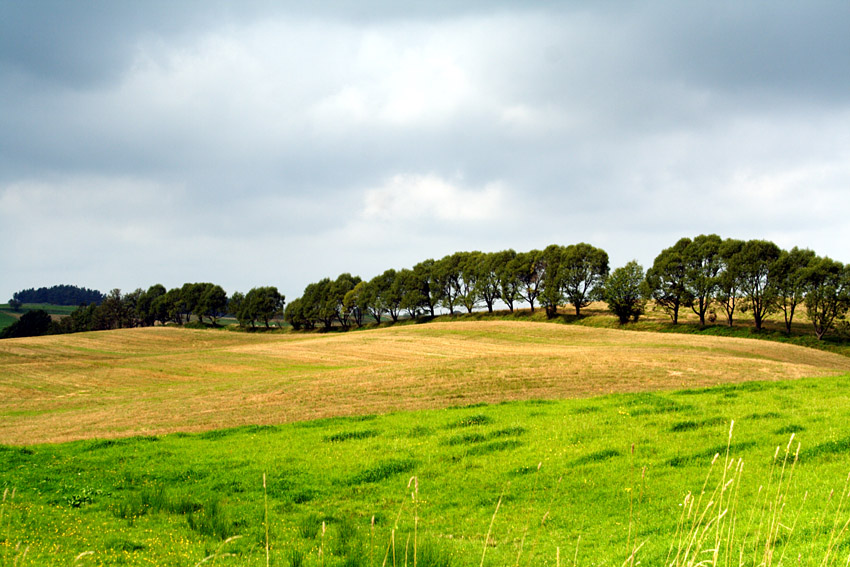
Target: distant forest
59, 295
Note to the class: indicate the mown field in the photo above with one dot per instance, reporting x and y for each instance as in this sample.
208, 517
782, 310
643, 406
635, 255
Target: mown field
591, 437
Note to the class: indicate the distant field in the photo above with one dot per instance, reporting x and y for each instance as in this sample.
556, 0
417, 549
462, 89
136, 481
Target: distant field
158, 380
8, 316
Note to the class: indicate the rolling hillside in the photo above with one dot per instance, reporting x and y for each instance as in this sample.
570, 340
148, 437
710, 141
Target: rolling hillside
159, 380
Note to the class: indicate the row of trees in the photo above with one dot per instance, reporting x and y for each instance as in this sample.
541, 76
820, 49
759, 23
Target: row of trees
705, 274
754, 276
552, 277
202, 302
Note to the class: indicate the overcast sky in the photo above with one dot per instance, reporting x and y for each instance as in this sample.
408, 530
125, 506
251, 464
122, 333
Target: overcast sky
275, 143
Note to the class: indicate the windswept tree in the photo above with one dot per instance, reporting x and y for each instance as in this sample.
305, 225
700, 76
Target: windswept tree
211, 302
356, 302
445, 277
551, 294
666, 279
827, 294
341, 286
469, 275
729, 278
759, 278
702, 267
506, 278
526, 268
378, 293
582, 273
414, 291
487, 283
295, 315
430, 288
625, 292
791, 272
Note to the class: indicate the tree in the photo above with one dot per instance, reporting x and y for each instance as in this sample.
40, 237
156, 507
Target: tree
791, 271
260, 304
355, 302
469, 275
526, 268
429, 289
445, 277
583, 272
294, 315
487, 283
729, 278
15, 304
702, 266
666, 279
145, 309
827, 293
31, 324
625, 292
212, 302
507, 282
413, 289
758, 278
549, 274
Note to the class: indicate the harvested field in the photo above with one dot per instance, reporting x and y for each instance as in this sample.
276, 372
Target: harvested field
158, 380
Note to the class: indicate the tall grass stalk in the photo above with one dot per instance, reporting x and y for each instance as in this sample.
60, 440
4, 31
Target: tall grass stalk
490, 529
266, 517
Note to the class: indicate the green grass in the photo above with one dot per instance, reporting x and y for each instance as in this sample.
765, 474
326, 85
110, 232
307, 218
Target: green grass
580, 464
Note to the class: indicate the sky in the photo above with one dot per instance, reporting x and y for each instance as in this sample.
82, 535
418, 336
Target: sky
259, 143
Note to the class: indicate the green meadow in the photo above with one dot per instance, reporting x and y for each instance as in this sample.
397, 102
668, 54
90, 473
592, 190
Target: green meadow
534, 482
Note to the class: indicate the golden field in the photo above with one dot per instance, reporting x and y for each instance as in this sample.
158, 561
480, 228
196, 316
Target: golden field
158, 380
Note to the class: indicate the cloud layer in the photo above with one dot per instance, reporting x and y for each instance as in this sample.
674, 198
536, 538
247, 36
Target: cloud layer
252, 145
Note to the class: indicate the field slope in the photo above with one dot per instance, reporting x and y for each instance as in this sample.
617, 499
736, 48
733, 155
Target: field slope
160, 380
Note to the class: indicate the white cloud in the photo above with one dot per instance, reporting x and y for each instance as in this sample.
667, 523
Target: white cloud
411, 197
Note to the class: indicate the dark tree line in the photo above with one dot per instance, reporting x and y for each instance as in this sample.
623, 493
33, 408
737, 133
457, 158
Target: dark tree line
57, 295
463, 281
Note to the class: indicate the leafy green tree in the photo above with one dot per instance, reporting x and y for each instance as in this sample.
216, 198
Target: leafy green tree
487, 281
666, 279
294, 315
791, 271
385, 293
507, 281
212, 302
549, 274
526, 268
430, 288
31, 324
466, 282
702, 267
356, 302
445, 277
759, 279
583, 272
414, 291
827, 294
729, 278
15, 304
341, 286
320, 305
625, 292
145, 305
261, 304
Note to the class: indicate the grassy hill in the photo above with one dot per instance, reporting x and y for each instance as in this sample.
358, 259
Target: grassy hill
586, 440
159, 380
